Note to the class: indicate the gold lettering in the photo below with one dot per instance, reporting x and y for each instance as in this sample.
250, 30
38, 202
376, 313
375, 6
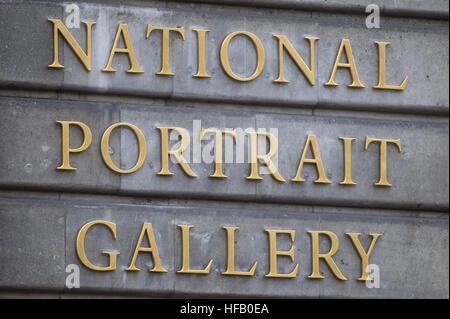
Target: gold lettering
65, 143
165, 54
230, 253
283, 43
345, 45
141, 144
327, 257
147, 229
218, 167
317, 160
185, 267
362, 254
347, 160
382, 70
383, 157
254, 157
85, 58
80, 246
261, 57
177, 153
122, 29
201, 72
274, 253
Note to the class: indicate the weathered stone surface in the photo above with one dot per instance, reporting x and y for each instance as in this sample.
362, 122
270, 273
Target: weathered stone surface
32, 245
408, 55
412, 253
26, 45
42, 209
425, 77
31, 143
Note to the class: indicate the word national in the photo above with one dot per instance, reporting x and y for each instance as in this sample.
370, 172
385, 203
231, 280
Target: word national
178, 33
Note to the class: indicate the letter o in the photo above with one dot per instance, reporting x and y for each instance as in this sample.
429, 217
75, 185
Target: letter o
142, 144
261, 57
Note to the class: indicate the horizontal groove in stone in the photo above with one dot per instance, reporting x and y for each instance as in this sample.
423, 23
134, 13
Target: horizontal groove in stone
433, 9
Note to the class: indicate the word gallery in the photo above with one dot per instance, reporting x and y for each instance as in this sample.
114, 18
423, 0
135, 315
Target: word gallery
274, 252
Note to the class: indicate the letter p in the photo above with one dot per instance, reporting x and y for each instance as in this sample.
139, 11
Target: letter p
65, 143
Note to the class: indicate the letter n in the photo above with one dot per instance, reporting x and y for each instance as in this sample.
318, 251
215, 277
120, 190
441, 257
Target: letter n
85, 57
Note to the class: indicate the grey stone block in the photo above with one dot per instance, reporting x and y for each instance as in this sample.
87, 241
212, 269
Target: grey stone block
410, 171
26, 46
408, 55
426, 82
402, 243
32, 245
31, 145
31, 153
412, 253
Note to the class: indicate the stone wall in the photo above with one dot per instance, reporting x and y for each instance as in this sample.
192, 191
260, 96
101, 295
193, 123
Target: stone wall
43, 209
